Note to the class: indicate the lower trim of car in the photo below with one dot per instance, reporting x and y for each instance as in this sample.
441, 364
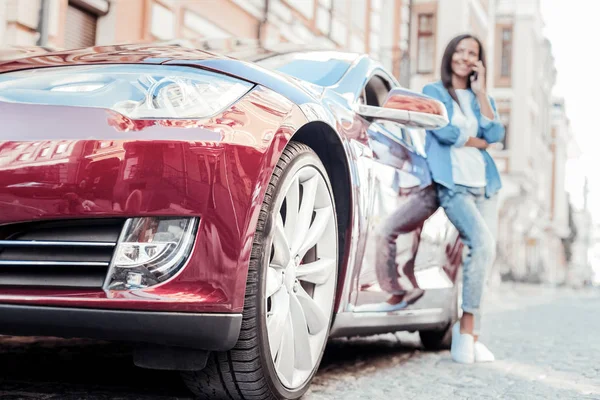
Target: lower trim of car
370, 323
207, 331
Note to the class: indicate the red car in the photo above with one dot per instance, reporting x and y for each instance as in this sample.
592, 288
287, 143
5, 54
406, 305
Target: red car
225, 215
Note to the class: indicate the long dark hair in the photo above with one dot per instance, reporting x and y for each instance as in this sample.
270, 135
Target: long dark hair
447, 62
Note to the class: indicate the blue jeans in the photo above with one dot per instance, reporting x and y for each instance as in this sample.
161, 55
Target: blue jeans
476, 218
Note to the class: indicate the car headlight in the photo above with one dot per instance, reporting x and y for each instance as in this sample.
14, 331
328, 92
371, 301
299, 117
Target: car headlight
136, 91
150, 251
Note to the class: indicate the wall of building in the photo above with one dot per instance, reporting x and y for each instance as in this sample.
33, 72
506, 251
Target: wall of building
372, 26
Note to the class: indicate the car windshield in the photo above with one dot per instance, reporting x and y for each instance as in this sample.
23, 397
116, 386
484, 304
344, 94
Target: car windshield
321, 68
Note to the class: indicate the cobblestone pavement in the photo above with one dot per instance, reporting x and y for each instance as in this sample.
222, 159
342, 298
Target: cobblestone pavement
546, 340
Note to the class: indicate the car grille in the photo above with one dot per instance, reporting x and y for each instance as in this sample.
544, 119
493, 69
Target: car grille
75, 253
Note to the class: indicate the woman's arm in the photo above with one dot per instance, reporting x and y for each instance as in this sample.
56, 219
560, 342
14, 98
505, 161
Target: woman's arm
486, 106
492, 129
489, 122
449, 135
477, 143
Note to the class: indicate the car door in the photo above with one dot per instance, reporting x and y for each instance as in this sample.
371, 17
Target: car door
401, 198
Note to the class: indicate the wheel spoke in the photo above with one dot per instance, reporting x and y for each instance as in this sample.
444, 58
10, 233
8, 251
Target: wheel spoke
274, 281
306, 212
301, 339
281, 247
322, 218
302, 249
315, 318
317, 272
280, 307
292, 208
285, 356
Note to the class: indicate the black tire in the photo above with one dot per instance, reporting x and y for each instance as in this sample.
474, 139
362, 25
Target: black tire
247, 372
442, 339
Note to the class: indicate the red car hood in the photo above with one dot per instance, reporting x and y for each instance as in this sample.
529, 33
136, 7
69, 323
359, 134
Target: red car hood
297, 91
121, 54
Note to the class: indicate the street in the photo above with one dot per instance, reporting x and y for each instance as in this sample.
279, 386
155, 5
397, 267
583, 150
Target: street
546, 342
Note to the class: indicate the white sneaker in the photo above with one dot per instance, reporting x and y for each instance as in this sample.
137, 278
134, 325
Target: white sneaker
462, 347
482, 353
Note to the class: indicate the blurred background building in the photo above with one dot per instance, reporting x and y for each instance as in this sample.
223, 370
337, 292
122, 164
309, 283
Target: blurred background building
542, 238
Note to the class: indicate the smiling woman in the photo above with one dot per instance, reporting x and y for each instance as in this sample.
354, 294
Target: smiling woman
468, 180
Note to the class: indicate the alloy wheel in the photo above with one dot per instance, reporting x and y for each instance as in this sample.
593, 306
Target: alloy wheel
301, 278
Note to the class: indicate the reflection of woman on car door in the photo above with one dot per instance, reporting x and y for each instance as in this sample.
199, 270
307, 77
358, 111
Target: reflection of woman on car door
467, 178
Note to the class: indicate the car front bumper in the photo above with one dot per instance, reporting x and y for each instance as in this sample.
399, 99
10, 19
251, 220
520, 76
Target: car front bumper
204, 331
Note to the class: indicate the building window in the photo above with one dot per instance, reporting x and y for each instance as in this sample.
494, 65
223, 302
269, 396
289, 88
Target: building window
357, 43
401, 62
80, 27
339, 31
341, 7
307, 8
358, 12
425, 44
162, 22
197, 27
257, 4
506, 56
374, 43
375, 28
324, 16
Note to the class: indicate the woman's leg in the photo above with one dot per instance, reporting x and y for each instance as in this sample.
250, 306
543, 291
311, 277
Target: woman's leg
409, 217
488, 207
462, 206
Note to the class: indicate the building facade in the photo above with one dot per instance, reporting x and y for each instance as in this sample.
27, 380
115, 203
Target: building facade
371, 26
533, 165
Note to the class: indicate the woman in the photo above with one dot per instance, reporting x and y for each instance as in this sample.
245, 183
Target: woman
467, 177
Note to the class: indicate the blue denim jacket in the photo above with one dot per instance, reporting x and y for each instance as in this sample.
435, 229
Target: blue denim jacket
439, 141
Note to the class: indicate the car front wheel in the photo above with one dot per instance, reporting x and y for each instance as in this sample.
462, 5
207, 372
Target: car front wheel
290, 290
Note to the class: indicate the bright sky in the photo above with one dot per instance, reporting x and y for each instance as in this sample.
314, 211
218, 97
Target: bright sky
573, 28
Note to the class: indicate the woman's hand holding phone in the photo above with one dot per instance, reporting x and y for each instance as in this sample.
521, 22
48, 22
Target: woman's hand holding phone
478, 79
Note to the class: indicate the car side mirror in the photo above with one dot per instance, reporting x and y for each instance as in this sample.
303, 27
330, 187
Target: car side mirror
408, 108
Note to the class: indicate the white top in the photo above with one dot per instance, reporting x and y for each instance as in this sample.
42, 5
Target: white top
468, 165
